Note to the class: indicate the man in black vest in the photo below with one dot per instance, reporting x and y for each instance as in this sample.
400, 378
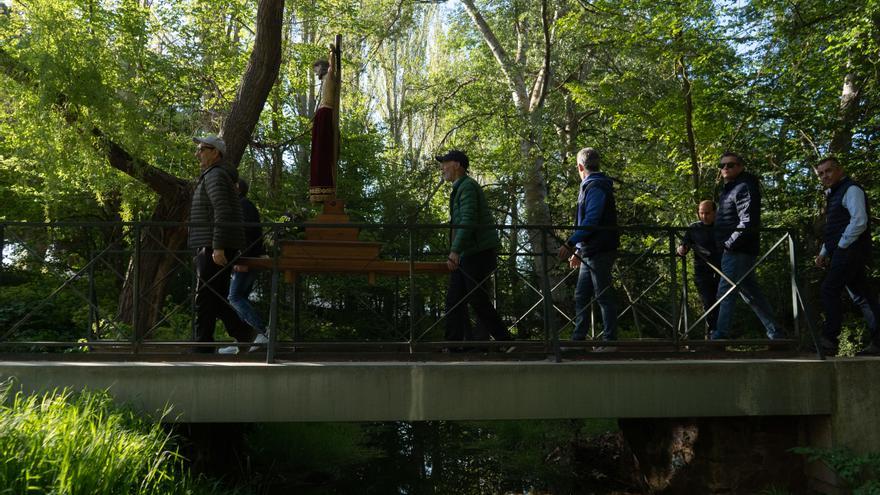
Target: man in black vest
700, 237
737, 233
596, 248
845, 252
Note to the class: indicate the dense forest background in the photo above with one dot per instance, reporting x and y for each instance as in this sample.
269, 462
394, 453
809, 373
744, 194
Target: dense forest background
100, 99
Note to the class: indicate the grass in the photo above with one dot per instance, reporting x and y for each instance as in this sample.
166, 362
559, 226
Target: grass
71, 444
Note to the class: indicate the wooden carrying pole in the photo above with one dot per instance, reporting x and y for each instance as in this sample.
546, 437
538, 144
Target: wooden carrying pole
337, 110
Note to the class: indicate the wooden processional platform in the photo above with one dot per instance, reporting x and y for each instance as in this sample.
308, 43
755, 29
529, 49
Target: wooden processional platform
338, 250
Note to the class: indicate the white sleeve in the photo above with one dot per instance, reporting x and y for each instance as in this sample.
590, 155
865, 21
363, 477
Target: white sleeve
854, 202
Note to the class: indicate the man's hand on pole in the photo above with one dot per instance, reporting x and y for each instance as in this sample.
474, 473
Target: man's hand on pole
453, 261
565, 251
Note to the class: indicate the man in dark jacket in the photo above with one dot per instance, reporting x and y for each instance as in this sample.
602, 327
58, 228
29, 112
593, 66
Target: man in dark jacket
214, 207
739, 207
845, 252
700, 237
472, 255
242, 277
596, 248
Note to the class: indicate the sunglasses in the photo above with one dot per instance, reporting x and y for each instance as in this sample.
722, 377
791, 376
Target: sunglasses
203, 148
727, 165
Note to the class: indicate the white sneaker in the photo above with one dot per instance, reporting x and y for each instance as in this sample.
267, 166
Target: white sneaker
606, 348
232, 349
259, 339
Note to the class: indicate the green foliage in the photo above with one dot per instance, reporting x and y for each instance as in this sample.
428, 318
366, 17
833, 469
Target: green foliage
85, 444
861, 473
25, 295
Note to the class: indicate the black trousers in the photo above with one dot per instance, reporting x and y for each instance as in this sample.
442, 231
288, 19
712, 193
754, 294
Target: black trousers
473, 273
706, 281
848, 270
212, 288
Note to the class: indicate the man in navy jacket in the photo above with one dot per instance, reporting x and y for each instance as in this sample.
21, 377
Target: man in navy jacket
739, 207
845, 252
596, 248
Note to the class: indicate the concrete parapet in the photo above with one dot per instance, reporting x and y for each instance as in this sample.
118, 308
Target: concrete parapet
251, 392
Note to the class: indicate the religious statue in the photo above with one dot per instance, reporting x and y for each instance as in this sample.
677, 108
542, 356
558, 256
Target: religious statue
322, 177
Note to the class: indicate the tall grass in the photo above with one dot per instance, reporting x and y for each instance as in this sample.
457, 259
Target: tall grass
71, 444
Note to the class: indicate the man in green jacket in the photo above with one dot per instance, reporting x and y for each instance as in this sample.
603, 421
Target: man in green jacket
472, 255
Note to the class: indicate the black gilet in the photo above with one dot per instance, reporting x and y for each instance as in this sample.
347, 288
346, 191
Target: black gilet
837, 217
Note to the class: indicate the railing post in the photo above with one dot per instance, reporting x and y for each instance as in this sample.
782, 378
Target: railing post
684, 297
2, 244
296, 310
273, 301
550, 334
136, 291
412, 291
93, 298
792, 259
674, 290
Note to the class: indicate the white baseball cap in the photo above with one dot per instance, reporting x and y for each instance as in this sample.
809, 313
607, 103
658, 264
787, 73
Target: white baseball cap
212, 140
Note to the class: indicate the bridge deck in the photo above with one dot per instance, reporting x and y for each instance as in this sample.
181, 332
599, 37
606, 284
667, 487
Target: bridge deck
379, 391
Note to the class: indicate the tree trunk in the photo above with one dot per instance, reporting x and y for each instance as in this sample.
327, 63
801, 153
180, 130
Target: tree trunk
689, 127
847, 115
277, 152
258, 79
159, 257
530, 106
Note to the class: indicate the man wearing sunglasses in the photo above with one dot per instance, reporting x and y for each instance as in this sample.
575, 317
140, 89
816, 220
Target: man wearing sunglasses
737, 234
214, 211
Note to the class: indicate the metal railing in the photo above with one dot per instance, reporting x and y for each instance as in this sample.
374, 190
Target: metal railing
117, 286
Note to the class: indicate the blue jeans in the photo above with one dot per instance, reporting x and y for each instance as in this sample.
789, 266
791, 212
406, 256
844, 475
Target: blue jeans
239, 291
594, 279
734, 265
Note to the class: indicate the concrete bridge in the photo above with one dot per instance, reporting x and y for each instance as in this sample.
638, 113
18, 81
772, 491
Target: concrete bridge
834, 403
839, 396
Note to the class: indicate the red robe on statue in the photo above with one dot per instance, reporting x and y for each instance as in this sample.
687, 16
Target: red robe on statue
321, 184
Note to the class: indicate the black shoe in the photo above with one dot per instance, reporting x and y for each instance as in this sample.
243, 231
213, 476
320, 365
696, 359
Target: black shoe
872, 350
828, 346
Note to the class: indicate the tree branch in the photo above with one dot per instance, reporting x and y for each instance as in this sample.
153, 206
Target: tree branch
539, 91
156, 179
514, 78
258, 79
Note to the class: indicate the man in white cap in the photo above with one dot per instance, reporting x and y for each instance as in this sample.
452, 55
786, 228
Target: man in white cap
215, 210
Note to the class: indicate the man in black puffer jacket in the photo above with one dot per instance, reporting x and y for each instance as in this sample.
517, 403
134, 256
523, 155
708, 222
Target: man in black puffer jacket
214, 206
739, 207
